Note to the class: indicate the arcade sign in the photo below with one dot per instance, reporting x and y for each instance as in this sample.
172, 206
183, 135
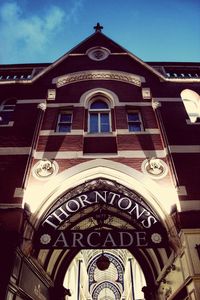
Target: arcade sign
69, 207
51, 234
101, 239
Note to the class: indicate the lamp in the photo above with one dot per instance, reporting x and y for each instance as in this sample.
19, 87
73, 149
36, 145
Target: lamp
103, 262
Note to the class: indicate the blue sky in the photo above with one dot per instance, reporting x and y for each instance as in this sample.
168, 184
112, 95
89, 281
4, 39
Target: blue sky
154, 30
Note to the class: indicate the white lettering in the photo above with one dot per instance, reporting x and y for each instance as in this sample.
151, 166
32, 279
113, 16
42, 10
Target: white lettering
149, 222
89, 239
122, 237
49, 222
137, 210
124, 203
77, 237
61, 239
84, 199
99, 196
141, 238
109, 239
72, 205
113, 197
59, 215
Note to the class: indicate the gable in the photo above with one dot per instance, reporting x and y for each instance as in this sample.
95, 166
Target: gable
98, 39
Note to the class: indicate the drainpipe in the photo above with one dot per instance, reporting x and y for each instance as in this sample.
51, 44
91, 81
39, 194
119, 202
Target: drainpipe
156, 105
41, 107
79, 279
132, 281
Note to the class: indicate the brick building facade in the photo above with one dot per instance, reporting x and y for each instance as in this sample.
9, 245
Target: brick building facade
99, 121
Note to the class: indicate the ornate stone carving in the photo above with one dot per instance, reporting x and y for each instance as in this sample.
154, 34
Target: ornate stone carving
44, 169
155, 104
42, 106
155, 167
97, 75
98, 53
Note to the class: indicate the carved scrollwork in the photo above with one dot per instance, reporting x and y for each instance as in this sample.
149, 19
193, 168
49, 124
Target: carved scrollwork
155, 167
98, 75
45, 168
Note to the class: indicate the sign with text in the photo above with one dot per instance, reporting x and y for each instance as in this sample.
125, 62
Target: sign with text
101, 239
131, 206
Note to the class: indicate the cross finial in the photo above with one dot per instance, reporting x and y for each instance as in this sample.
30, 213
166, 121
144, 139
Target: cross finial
98, 27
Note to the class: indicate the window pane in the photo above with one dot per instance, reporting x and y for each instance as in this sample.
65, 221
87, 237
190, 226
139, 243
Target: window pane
6, 117
133, 117
99, 105
134, 127
104, 120
64, 127
94, 123
65, 117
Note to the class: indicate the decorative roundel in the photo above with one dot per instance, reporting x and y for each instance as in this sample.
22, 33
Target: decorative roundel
155, 167
98, 53
45, 239
156, 238
44, 169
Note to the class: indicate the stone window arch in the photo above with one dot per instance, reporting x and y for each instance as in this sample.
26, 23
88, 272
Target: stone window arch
99, 115
191, 101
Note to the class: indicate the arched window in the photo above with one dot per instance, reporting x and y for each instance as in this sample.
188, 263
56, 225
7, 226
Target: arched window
191, 102
6, 112
99, 116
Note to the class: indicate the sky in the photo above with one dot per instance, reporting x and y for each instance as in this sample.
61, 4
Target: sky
39, 31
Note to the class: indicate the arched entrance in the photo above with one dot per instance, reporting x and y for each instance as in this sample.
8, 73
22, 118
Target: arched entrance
102, 214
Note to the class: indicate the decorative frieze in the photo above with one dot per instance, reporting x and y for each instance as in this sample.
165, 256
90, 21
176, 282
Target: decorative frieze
98, 75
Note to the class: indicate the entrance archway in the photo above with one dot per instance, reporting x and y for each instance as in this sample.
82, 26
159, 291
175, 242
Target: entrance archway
101, 214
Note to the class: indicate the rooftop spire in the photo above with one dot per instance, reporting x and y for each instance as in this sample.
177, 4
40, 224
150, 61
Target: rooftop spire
98, 27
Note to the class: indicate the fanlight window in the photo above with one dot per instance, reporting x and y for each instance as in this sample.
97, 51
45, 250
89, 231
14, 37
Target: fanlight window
99, 117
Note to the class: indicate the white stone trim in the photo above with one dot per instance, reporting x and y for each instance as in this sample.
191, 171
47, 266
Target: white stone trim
60, 154
10, 124
146, 131
142, 154
168, 99
18, 193
181, 190
187, 205
116, 101
100, 134
192, 123
79, 154
14, 150
115, 75
55, 133
10, 205
30, 101
88, 95
184, 148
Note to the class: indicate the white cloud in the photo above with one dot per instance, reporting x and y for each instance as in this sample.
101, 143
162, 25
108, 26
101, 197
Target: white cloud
24, 36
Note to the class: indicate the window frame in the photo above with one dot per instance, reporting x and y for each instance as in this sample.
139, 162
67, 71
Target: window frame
7, 107
129, 122
62, 123
99, 112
